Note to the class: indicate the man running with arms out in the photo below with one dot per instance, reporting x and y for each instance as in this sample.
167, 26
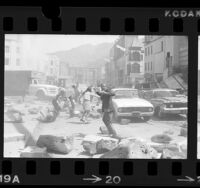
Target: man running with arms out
107, 108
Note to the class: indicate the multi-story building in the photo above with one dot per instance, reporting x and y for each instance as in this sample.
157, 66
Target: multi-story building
13, 51
83, 75
134, 60
64, 79
165, 56
128, 60
52, 69
109, 69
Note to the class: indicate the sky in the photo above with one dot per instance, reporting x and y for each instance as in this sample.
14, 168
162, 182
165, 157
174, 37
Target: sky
53, 43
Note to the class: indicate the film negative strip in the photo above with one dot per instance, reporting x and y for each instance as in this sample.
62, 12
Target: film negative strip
99, 96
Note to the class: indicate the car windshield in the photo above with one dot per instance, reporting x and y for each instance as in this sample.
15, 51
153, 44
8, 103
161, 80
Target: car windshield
125, 94
165, 93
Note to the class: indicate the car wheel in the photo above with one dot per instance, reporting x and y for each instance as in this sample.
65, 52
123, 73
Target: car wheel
146, 118
40, 95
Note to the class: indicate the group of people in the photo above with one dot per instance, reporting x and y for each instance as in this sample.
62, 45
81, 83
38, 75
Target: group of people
102, 93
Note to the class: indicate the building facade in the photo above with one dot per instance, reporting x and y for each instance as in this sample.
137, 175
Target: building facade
83, 75
165, 56
12, 55
127, 62
52, 69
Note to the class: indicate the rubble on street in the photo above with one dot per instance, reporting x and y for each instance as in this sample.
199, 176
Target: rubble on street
58, 144
101, 97
168, 154
92, 140
132, 150
34, 152
98, 144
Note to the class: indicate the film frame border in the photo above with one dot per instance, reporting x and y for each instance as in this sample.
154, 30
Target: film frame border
127, 21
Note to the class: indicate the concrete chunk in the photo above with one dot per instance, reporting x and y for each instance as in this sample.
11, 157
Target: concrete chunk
57, 144
96, 144
133, 150
160, 147
168, 154
34, 152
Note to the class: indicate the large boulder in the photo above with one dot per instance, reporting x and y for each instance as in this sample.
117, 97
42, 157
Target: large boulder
56, 144
168, 154
132, 149
34, 152
97, 144
183, 132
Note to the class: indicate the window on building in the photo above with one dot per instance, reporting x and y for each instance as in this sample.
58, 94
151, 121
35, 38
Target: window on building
151, 49
7, 61
148, 50
135, 68
145, 51
51, 62
148, 66
134, 56
18, 62
7, 49
151, 66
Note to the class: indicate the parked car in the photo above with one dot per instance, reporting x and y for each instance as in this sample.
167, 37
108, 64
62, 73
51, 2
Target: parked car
166, 101
127, 104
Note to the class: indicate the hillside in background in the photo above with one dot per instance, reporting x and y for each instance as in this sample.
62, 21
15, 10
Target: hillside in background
85, 55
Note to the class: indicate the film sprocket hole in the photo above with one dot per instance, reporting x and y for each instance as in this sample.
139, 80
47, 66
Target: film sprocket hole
100, 96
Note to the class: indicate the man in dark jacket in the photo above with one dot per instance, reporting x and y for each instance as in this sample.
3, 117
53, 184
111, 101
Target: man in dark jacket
107, 108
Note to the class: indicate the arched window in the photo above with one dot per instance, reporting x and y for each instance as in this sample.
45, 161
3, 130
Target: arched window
135, 68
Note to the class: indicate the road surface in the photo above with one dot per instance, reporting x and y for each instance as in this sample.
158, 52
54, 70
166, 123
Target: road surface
64, 125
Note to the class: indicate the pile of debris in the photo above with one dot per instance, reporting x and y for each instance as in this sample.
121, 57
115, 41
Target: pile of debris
134, 148
47, 144
113, 148
13, 115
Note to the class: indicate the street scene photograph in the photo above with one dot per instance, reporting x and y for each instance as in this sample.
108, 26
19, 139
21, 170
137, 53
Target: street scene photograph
96, 96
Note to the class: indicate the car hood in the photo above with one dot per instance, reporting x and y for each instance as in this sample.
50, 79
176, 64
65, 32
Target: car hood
134, 102
175, 99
